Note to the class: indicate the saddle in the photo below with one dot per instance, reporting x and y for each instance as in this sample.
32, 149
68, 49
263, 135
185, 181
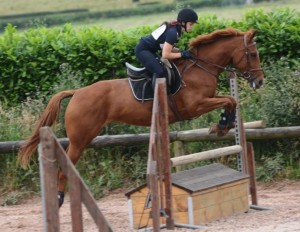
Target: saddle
140, 80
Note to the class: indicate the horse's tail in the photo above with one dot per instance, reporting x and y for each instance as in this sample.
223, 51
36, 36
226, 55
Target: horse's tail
48, 118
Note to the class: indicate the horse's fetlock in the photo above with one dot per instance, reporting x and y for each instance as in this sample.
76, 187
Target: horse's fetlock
60, 198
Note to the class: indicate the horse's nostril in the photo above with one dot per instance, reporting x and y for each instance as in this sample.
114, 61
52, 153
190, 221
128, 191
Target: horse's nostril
260, 82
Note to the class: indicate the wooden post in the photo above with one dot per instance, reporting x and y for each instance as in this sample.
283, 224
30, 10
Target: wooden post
243, 143
154, 196
75, 201
159, 155
252, 174
48, 175
178, 151
152, 175
163, 109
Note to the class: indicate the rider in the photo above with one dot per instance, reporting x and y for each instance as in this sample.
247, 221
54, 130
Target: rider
164, 38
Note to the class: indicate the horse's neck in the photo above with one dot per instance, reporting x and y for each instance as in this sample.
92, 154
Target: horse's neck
212, 57
219, 53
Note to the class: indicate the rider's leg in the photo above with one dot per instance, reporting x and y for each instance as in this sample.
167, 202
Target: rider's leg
155, 76
152, 63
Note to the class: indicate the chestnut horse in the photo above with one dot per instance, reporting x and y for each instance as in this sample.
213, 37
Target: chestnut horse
94, 106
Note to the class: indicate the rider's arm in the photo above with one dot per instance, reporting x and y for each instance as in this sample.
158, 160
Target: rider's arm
168, 52
175, 49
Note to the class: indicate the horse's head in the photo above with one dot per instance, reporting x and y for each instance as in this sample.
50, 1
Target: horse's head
237, 48
246, 59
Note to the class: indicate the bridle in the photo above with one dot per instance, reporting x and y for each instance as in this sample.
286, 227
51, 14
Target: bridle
247, 75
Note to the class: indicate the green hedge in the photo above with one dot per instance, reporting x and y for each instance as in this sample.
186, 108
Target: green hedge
279, 32
30, 62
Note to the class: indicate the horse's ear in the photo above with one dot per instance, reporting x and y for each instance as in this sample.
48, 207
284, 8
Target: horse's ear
251, 33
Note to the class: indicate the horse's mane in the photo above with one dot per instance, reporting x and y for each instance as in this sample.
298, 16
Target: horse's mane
202, 39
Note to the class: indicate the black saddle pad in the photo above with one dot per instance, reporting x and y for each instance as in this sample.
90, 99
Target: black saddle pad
142, 88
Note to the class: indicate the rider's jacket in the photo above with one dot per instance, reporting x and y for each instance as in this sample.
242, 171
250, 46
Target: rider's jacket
158, 37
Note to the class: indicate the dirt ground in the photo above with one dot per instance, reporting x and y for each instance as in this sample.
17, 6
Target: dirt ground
282, 198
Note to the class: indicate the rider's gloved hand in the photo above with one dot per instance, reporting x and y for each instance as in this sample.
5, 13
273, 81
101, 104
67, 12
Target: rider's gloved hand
186, 54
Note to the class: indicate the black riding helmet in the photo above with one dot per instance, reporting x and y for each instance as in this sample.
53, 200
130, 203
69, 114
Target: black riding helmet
187, 15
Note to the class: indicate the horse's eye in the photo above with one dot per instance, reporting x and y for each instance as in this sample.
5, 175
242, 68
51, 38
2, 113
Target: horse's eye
253, 54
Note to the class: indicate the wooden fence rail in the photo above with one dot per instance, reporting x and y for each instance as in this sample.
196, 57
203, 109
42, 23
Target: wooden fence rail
184, 136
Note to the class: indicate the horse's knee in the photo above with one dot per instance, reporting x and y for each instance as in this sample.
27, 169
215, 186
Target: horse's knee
233, 102
230, 104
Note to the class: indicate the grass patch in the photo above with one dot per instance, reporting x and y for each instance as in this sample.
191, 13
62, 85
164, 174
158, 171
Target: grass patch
235, 12
8, 7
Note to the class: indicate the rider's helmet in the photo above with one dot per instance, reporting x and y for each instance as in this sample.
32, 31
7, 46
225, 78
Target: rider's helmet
187, 15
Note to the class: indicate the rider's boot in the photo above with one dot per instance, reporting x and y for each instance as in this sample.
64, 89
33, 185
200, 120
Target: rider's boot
154, 77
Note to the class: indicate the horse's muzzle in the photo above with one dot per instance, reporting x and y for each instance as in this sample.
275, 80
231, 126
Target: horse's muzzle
256, 84
260, 83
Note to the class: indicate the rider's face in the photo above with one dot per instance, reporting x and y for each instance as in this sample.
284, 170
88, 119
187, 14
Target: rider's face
189, 26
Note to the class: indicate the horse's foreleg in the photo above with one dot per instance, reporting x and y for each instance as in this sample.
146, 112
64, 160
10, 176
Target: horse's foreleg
209, 104
229, 106
227, 118
226, 123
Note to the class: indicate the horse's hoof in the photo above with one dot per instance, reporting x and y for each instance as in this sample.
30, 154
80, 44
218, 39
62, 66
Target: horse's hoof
231, 125
60, 197
223, 132
220, 133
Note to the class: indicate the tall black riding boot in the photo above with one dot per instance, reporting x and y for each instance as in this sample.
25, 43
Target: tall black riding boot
154, 77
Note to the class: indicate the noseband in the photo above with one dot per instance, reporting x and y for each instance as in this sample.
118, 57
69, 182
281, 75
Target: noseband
247, 75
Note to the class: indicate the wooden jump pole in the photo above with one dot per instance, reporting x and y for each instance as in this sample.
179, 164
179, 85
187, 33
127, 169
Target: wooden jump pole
205, 155
245, 157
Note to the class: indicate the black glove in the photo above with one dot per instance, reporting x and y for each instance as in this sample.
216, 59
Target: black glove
186, 54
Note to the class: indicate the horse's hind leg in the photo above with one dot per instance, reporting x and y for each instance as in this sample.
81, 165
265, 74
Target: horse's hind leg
84, 119
74, 154
79, 138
